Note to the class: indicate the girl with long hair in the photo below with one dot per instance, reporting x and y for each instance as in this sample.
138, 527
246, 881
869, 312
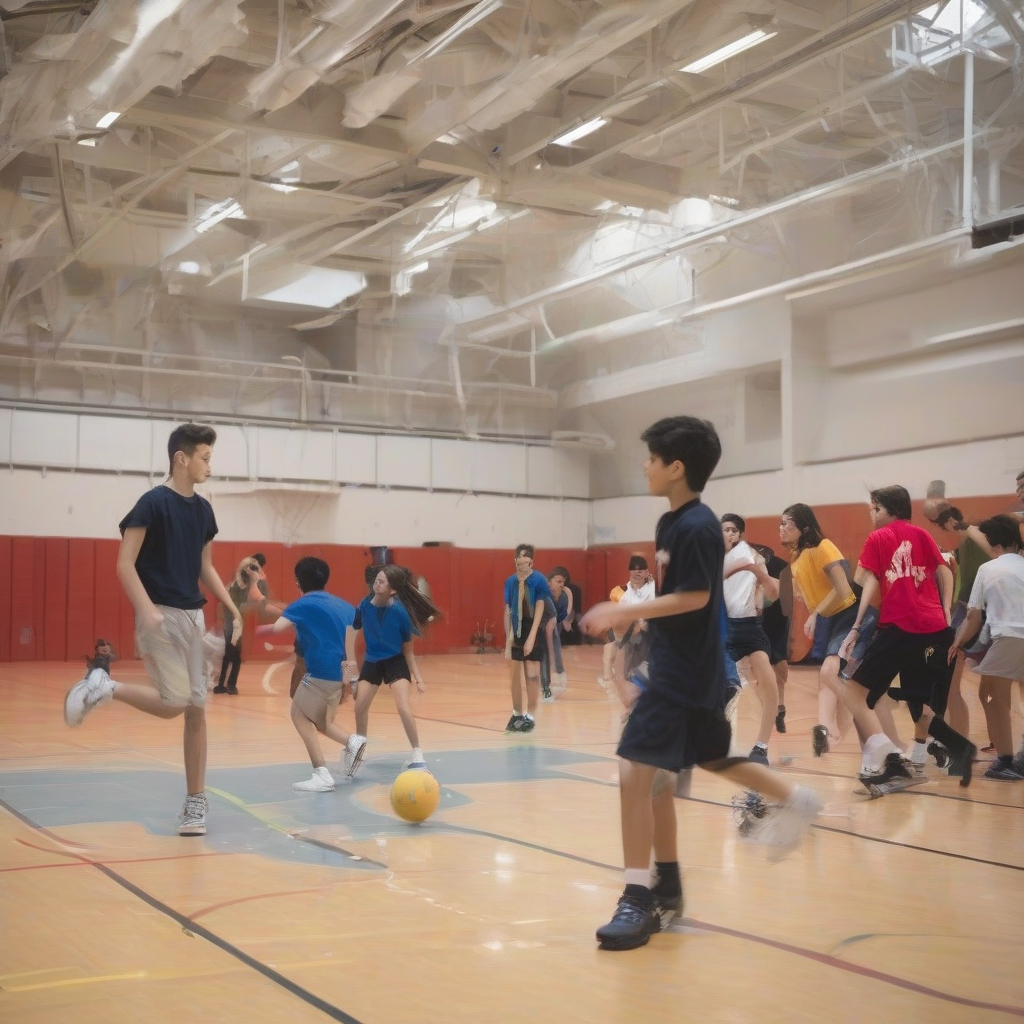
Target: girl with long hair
389, 618
245, 593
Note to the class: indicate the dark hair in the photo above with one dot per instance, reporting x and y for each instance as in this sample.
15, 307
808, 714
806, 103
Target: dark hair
637, 562
420, 608
1002, 530
311, 574
807, 523
100, 643
688, 440
895, 500
949, 514
1020, 475
525, 549
764, 551
738, 521
261, 559
187, 438
370, 574
560, 570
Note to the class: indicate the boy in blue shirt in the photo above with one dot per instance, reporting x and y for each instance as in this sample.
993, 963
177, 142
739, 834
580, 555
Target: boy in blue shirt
323, 624
525, 593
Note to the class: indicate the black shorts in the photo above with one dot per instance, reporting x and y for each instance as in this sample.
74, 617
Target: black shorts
664, 734
537, 654
744, 637
919, 659
388, 671
776, 628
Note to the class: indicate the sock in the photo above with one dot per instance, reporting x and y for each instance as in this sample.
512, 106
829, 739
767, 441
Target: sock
638, 877
876, 749
529, 715
417, 754
949, 738
669, 882
919, 755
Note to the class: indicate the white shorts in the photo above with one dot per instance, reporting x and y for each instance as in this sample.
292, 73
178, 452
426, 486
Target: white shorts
175, 657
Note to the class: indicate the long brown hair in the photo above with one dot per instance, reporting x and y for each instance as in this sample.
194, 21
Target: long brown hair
420, 608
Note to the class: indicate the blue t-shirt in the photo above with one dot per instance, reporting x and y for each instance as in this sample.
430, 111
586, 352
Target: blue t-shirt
320, 621
171, 556
687, 662
561, 606
384, 629
536, 589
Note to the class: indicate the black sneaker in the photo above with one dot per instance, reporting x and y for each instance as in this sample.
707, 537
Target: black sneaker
632, 924
1002, 770
220, 689
894, 775
747, 811
668, 904
513, 723
758, 754
819, 740
780, 719
546, 695
962, 763
527, 724
939, 752
232, 691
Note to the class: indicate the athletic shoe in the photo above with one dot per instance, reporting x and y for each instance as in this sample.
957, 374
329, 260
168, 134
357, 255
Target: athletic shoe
939, 752
547, 697
220, 689
192, 819
918, 769
747, 810
513, 723
632, 924
961, 763
415, 761
780, 719
784, 825
321, 781
527, 724
1003, 770
1018, 760
758, 754
232, 691
561, 682
668, 904
893, 769
819, 740
95, 689
352, 755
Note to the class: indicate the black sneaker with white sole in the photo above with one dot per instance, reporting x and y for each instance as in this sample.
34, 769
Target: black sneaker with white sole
895, 774
513, 723
939, 752
1002, 769
961, 763
632, 924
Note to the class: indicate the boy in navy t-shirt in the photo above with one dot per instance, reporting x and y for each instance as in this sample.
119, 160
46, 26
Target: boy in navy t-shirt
323, 624
526, 591
679, 719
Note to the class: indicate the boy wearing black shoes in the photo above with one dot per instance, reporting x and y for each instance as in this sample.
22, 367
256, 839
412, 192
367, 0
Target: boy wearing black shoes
679, 718
526, 591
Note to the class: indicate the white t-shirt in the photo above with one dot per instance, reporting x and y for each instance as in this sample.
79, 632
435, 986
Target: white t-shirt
741, 588
999, 593
645, 593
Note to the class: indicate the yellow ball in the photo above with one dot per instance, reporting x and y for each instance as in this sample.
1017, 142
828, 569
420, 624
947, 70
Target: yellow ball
415, 795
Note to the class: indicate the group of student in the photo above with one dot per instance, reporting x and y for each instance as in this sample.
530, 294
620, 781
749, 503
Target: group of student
700, 613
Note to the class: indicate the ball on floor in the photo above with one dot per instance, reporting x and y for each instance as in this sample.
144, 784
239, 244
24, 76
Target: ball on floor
415, 795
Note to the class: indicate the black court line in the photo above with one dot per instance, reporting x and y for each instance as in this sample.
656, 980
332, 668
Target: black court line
530, 846
332, 1011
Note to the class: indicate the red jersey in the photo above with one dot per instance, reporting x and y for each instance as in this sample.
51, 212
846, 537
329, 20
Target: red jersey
903, 558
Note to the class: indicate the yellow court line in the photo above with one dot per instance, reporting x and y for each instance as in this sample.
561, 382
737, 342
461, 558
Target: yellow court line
32, 974
260, 816
76, 981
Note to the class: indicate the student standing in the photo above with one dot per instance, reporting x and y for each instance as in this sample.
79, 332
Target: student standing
166, 551
679, 719
525, 593
389, 619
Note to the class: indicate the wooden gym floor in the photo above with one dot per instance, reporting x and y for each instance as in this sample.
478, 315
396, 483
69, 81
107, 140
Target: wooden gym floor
303, 908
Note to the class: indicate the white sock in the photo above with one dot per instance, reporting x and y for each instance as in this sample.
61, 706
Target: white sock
763, 746
417, 754
529, 715
919, 754
876, 749
638, 876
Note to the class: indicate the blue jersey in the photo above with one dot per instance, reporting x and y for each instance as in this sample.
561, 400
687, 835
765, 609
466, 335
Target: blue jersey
320, 621
526, 593
385, 629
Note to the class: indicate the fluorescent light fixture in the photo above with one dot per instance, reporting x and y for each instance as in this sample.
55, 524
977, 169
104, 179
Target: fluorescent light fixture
419, 268
723, 200
581, 131
278, 186
221, 211
403, 279
189, 267
319, 287
727, 51
108, 119
87, 142
464, 24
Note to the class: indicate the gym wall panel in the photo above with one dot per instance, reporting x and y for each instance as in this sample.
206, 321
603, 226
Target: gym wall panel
44, 438
55, 599
107, 598
355, 459
232, 454
159, 432
499, 468
6, 583
294, 454
105, 442
80, 604
403, 461
451, 464
24, 581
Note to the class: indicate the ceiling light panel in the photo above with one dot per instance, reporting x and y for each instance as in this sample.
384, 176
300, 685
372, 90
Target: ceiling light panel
723, 53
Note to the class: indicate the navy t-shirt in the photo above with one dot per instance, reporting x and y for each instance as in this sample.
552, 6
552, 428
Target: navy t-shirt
686, 661
171, 557
320, 621
384, 629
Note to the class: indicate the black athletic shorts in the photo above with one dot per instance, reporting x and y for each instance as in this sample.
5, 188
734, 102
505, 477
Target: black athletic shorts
537, 654
387, 671
919, 659
776, 628
667, 735
744, 637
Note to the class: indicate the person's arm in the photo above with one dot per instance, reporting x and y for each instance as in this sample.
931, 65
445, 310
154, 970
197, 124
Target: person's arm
980, 539
150, 617
968, 628
208, 575
567, 621
768, 583
871, 588
280, 625
609, 615
414, 669
508, 632
944, 581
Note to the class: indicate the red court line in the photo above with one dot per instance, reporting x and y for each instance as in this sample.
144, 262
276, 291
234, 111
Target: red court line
864, 972
78, 861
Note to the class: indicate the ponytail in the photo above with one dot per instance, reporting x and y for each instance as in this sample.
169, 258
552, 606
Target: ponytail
420, 608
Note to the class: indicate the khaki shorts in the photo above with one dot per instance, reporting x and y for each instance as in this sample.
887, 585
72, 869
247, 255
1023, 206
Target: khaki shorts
1005, 659
175, 657
318, 700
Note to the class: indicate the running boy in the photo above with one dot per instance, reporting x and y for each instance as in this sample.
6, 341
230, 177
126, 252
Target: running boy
323, 625
679, 719
166, 550
525, 593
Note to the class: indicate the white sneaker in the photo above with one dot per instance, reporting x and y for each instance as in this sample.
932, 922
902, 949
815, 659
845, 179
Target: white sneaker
784, 825
561, 682
415, 762
352, 755
95, 689
321, 781
192, 819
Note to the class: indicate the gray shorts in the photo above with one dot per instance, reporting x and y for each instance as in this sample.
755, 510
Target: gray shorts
1005, 659
318, 700
175, 656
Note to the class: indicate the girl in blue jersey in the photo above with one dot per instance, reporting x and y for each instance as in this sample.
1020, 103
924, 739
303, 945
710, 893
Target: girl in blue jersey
389, 619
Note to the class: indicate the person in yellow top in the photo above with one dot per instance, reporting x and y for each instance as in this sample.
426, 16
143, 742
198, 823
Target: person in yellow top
821, 579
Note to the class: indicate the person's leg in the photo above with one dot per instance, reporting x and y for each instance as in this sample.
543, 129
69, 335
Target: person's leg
400, 690
608, 654
997, 714
308, 734
195, 749
767, 693
515, 679
225, 665
298, 671
832, 710
532, 686
364, 698
957, 713
636, 808
236, 667
146, 698
781, 669
884, 709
